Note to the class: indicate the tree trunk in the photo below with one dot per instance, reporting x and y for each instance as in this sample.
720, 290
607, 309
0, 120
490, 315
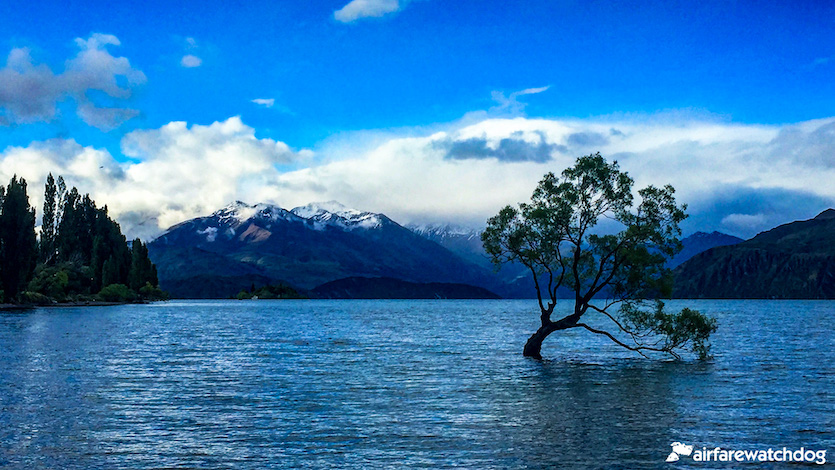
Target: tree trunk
533, 347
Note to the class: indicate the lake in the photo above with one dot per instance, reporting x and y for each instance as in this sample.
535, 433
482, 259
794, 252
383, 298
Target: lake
397, 384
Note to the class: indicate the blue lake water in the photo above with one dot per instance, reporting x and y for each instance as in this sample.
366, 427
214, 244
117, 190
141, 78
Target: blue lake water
396, 384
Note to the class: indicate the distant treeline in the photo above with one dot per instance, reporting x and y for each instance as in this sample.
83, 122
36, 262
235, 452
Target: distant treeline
79, 255
272, 291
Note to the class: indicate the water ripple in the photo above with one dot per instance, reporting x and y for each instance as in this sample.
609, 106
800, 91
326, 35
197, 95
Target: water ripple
394, 384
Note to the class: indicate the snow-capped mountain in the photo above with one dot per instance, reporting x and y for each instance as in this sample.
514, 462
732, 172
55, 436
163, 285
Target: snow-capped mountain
225, 223
445, 231
463, 241
334, 214
240, 244
239, 212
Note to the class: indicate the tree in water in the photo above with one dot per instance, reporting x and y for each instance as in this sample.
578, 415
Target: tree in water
621, 276
18, 244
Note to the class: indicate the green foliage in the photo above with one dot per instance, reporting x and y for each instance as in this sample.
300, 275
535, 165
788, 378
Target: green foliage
80, 249
62, 282
688, 327
50, 281
554, 237
47, 241
109, 248
151, 292
142, 271
74, 239
18, 245
117, 293
34, 298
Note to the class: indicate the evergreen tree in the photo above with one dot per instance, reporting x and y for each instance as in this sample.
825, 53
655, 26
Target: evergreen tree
18, 244
77, 230
47, 245
67, 240
83, 246
109, 246
142, 271
110, 272
60, 200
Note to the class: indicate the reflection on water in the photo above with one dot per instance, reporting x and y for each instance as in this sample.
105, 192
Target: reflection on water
390, 384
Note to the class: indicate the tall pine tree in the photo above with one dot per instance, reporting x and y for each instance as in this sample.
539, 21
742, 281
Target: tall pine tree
47, 245
82, 250
18, 244
110, 250
142, 271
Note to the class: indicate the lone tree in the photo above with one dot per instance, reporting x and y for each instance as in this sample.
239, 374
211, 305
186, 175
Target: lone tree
621, 277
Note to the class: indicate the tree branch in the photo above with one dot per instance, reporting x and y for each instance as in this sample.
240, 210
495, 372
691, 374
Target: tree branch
634, 335
638, 349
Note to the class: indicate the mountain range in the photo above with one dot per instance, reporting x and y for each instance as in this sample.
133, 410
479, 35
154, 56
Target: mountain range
241, 245
792, 261
700, 242
332, 251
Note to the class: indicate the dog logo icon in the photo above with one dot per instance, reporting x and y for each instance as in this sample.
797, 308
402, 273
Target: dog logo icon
679, 449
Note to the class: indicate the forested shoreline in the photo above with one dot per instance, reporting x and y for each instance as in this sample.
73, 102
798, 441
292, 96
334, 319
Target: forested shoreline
78, 255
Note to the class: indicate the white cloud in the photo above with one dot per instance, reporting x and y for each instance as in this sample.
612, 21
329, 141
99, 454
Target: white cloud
417, 179
191, 61
179, 171
736, 178
265, 102
358, 9
744, 222
30, 92
511, 104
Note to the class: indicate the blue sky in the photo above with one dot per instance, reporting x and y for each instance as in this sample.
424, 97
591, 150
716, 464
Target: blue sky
344, 81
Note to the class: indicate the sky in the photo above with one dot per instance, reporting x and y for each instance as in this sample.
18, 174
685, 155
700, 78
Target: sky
427, 111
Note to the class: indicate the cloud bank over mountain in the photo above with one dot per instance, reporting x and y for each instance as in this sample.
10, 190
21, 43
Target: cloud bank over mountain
736, 178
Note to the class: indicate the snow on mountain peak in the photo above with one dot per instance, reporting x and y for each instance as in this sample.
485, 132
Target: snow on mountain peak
318, 215
333, 213
239, 212
315, 209
445, 230
235, 213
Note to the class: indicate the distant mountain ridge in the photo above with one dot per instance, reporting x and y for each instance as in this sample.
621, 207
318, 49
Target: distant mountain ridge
242, 245
791, 261
304, 247
466, 242
699, 242
463, 241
